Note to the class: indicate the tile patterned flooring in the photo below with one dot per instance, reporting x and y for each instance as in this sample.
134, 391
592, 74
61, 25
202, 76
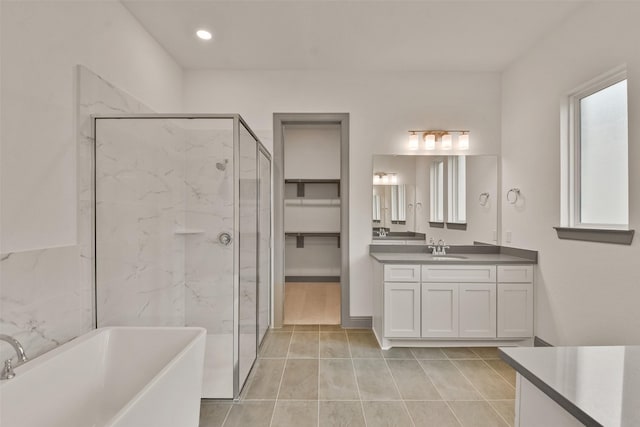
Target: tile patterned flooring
310, 375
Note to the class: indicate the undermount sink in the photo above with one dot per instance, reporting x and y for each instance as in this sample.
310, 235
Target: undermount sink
447, 257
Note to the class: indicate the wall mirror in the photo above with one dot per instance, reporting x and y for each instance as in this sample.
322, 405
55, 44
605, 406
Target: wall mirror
443, 197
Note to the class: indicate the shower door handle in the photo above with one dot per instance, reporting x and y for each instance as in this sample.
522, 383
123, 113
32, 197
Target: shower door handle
224, 238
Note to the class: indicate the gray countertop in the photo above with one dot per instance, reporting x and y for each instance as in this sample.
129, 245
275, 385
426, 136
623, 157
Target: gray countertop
425, 258
600, 386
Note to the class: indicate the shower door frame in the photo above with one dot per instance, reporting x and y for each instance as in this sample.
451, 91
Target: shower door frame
237, 121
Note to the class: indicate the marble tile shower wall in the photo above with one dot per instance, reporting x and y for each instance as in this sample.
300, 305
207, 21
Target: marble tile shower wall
209, 211
140, 202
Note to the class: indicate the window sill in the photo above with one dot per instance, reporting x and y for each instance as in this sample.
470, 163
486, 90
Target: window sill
433, 224
620, 237
457, 225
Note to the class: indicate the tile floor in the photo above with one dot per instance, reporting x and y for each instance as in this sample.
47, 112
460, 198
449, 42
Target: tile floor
326, 376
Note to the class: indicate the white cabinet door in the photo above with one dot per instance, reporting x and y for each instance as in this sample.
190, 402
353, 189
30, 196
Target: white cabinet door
439, 309
402, 310
515, 310
477, 310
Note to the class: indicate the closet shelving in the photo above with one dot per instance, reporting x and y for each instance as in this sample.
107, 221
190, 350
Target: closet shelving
301, 183
312, 216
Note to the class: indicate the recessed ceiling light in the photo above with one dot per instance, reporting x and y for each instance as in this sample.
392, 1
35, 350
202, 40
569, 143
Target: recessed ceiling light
204, 34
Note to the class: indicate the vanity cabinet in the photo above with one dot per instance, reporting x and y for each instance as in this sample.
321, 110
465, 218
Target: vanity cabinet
477, 308
402, 300
402, 310
456, 302
515, 301
439, 310
459, 301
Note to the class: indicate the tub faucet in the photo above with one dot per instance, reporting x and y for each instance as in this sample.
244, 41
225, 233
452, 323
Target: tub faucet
7, 372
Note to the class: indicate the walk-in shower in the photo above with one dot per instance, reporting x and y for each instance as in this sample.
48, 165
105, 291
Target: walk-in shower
183, 232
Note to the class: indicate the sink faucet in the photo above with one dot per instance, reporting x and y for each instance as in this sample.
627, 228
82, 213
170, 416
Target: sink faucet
7, 372
437, 248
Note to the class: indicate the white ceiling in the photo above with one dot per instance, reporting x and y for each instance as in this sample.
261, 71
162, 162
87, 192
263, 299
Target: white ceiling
350, 35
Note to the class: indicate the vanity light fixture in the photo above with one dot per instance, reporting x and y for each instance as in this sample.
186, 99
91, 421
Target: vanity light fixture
441, 139
204, 34
384, 178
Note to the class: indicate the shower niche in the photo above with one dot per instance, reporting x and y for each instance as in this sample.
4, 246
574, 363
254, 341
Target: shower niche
183, 234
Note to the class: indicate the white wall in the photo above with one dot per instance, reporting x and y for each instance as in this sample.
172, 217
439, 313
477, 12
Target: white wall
42, 41
587, 293
383, 106
312, 152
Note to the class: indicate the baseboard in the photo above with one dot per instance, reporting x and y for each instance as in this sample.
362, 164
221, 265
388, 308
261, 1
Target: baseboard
357, 322
332, 279
539, 342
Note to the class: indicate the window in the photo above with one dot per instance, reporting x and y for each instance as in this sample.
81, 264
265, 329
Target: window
595, 158
398, 204
437, 191
457, 189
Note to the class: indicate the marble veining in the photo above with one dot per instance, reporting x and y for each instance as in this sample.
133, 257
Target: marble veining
43, 304
154, 179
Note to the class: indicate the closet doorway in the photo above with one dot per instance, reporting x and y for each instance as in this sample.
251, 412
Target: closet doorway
311, 283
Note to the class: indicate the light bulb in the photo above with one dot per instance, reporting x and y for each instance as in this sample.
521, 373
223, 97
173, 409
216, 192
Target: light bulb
463, 141
413, 141
445, 142
385, 179
394, 179
204, 34
429, 141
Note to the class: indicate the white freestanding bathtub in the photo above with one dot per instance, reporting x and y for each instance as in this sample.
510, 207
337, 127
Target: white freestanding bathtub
115, 377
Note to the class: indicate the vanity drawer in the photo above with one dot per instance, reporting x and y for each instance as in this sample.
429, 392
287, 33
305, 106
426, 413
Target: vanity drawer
401, 273
515, 274
459, 273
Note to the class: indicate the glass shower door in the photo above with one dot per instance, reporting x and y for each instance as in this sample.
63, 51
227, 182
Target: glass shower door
264, 244
248, 271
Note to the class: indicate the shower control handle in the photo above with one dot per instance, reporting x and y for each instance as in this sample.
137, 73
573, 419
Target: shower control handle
224, 238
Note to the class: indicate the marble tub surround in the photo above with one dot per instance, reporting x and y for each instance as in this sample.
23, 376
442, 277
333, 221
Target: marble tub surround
310, 375
43, 304
599, 386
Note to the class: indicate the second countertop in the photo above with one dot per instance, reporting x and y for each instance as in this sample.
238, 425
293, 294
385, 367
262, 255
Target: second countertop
451, 259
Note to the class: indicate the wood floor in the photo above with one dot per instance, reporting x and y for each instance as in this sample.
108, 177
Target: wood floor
312, 303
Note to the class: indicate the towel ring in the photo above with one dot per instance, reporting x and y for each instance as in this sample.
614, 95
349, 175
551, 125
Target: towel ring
513, 195
484, 199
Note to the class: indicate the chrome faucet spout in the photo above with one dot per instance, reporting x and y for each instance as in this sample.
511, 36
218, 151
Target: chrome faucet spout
22, 357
